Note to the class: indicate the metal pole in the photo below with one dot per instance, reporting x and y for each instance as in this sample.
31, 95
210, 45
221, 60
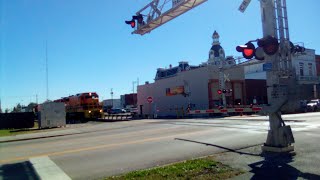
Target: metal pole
223, 86
279, 137
47, 78
111, 93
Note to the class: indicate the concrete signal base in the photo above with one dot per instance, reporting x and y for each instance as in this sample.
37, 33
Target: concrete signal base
289, 148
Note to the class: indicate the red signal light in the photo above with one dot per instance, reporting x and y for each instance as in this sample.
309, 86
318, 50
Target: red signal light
132, 23
248, 50
219, 91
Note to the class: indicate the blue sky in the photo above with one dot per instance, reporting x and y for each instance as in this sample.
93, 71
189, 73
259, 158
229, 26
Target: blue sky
90, 48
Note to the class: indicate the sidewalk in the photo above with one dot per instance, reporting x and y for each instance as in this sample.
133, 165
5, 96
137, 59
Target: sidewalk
304, 163
39, 135
70, 129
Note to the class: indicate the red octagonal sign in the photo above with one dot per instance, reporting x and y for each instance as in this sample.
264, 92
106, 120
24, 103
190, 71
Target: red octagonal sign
149, 99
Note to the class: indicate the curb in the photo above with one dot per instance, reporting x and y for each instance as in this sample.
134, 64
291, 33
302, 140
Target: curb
41, 137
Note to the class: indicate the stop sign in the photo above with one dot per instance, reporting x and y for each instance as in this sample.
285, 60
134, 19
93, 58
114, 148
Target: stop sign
149, 99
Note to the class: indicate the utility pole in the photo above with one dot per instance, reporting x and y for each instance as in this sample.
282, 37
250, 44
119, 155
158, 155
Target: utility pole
111, 93
133, 82
47, 74
222, 84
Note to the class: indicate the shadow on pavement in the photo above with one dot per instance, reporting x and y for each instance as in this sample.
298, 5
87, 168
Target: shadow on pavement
276, 166
221, 147
22, 170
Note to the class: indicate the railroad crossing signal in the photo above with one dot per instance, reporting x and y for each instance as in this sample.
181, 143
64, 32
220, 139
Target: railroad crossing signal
224, 91
269, 44
139, 19
266, 46
132, 23
248, 50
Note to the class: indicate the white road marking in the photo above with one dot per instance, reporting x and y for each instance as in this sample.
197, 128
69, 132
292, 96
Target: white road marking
47, 169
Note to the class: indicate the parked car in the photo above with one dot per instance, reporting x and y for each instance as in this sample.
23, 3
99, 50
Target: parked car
134, 110
313, 105
116, 111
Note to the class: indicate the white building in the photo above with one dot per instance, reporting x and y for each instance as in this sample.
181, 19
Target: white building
304, 64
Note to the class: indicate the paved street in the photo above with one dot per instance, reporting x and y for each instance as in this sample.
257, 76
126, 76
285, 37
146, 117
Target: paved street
105, 149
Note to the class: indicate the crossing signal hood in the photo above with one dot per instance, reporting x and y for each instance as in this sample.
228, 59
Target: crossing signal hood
132, 23
269, 44
139, 19
248, 50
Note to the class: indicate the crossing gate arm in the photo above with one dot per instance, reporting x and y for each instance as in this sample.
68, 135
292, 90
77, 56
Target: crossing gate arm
227, 110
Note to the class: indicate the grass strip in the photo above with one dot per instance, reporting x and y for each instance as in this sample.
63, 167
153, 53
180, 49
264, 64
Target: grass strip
202, 169
12, 132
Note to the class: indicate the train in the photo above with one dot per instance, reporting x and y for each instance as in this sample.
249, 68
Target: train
82, 106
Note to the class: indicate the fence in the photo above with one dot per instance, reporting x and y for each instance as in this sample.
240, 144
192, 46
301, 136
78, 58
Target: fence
17, 120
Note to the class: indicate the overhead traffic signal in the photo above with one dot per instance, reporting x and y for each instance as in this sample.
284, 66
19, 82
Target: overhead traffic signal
132, 23
139, 19
248, 50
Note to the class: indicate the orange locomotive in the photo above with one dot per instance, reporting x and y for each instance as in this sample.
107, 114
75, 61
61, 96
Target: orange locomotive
82, 106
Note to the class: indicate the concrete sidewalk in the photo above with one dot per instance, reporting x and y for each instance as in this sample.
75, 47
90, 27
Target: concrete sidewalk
70, 129
304, 163
39, 135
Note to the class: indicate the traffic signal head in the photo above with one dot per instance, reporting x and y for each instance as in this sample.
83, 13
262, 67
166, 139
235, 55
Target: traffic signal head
248, 50
219, 91
132, 23
139, 18
269, 44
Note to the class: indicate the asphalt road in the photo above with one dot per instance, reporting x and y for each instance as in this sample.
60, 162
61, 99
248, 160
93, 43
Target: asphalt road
118, 147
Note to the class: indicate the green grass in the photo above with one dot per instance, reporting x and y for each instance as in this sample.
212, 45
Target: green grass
12, 132
205, 168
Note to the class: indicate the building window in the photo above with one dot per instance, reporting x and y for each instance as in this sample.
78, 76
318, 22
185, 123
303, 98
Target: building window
301, 69
310, 69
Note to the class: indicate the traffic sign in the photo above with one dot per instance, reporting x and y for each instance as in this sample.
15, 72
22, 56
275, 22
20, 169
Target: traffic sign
267, 66
150, 99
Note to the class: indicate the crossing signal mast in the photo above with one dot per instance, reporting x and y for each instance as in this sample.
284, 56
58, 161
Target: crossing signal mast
274, 48
159, 12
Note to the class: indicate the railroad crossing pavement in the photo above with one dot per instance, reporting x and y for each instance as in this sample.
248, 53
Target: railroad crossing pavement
73, 129
106, 149
70, 129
